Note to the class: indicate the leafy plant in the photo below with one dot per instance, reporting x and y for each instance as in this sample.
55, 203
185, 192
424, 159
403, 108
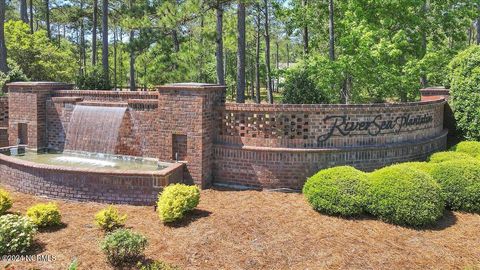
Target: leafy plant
471, 148
337, 191
157, 265
460, 182
447, 156
402, 195
176, 200
44, 214
123, 246
465, 79
16, 234
109, 218
5, 201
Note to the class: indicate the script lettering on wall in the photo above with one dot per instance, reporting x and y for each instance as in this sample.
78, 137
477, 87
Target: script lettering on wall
340, 124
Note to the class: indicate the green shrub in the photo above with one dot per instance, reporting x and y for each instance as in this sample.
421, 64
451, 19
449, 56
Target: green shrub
403, 195
465, 90
5, 201
460, 182
421, 166
44, 214
337, 191
471, 148
447, 156
157, 265
16, 234
109, 219
123, 246
176, 200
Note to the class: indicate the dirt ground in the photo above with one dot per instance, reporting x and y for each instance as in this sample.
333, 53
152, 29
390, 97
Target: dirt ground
261, 230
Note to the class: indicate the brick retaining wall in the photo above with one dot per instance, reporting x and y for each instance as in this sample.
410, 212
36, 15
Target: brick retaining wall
107, 186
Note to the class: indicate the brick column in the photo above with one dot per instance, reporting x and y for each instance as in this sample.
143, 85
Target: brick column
432, 93
27, 105
187, 125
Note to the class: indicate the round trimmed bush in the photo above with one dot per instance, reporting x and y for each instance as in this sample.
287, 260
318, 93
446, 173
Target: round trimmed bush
447, 156
176, 200
421, 166
16, 234
109, 219
123, 246
44, 214
403, 195
471, 148
5, 201
337, 191
460, 182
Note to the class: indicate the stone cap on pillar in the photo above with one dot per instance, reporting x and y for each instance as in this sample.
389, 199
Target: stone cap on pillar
38, 86
434, 92
192, 86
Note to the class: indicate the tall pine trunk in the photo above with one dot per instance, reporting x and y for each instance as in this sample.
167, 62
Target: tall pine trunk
277, 65
47, 18
132, 62
305, 30
267, 54
83, 52
331, 31
3, 48
257, 59
105, 43
94, 33
219, 46
31, 16
241, 52
23, 11
115, 56
478, 26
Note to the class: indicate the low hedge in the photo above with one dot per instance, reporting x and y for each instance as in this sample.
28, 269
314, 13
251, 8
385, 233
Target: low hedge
337, 191
5, 201
449, 155
176, 200
123, 246
403, 195
471, 148
460, 182
421, 166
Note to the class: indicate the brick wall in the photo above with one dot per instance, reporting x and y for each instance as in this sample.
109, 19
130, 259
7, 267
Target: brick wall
280, 146
138, 188
263, 145
3, 121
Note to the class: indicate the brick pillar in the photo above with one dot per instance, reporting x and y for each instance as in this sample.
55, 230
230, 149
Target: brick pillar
187, 123
27, 108
432, 93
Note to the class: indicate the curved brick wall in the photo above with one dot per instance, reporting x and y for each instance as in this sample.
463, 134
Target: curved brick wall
279, 146
107, 186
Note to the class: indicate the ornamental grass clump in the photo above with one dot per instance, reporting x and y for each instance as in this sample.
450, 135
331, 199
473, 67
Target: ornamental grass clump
337, 191
45, 215
448, 156
403, 195
123, 246
16, 234
109, 219
5, 201
470, 148
460, 182
176, 200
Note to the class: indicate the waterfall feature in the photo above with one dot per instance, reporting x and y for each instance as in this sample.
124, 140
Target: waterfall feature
94, 129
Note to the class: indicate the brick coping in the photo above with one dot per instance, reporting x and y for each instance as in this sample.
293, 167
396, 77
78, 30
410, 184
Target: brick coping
163, 172
332, 149
307, 107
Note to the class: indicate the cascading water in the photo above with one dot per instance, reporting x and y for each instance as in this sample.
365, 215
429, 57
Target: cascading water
94, 129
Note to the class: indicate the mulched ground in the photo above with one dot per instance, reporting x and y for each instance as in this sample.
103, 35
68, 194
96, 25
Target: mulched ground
262, 230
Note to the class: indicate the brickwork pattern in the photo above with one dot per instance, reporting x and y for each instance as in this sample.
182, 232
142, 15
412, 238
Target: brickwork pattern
87, 185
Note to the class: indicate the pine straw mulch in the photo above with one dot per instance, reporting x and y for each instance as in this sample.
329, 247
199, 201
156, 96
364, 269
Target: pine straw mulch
262, 230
